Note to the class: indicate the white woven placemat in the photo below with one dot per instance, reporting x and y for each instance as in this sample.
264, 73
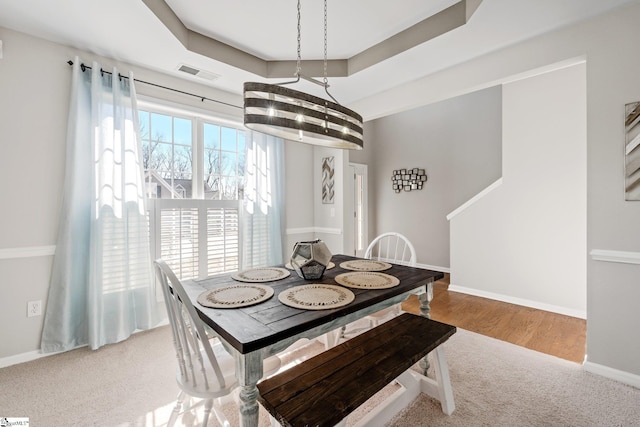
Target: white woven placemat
367, 280
317, 296
235, 296
329, 266
365, 265
259, 275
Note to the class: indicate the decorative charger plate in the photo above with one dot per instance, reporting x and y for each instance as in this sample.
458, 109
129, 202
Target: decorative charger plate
235, 296
317, 296
367, 280
365, 265
329, 266
258, 275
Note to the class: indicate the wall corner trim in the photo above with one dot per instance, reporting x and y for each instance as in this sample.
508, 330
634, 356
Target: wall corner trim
475, 198
624, 257
611, 373
27, 252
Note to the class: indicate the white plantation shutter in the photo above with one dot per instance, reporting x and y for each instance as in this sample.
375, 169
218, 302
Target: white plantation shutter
179, 240
223, 240
196, 238
257, 241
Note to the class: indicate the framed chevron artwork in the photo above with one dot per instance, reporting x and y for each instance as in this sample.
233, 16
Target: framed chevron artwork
327, 180
632, 152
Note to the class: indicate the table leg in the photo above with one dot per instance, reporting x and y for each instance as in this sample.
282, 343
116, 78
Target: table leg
425, 309
248, 372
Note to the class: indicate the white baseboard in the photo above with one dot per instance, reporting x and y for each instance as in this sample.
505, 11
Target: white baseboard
38, 354
22, 358
434, 268
611, 373
581, 314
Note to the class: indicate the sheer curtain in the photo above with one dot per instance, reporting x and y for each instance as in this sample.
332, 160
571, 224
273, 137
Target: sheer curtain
263, 214
101, 286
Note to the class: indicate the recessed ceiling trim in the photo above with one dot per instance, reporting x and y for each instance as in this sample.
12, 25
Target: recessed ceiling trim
222, 52
315, 68
425, 30
442, 22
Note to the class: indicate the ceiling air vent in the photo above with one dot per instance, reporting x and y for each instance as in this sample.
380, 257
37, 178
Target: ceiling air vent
198, 73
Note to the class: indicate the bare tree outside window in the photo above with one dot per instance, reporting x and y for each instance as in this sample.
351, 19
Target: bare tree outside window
168, 155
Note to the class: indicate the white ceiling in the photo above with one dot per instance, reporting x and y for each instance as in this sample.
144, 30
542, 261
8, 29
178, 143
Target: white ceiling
127, 30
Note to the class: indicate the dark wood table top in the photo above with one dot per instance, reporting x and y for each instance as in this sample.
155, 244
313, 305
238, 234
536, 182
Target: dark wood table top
251, 328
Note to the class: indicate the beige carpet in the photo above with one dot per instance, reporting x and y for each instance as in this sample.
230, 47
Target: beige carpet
495, 384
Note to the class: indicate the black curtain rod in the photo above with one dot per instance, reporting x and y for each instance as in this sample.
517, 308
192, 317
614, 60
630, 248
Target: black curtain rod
120, 76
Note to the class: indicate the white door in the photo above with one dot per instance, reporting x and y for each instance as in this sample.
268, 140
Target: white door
360, 226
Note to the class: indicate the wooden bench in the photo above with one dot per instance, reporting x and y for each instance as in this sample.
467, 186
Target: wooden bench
324, 389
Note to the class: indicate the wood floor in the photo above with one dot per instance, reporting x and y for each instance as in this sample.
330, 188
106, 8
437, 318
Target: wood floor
543, 331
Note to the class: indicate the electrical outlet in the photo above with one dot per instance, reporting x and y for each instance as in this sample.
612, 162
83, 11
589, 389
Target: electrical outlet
34, 308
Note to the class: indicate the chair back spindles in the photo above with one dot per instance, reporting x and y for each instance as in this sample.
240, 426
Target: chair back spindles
190, 340
206, 369
392, 247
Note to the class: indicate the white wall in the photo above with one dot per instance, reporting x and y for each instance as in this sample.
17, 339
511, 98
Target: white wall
525, 242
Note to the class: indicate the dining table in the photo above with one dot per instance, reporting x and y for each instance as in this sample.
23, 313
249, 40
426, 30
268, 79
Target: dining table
254, 332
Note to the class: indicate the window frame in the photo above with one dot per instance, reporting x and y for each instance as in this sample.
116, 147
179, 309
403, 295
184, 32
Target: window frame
198, 201
200, 117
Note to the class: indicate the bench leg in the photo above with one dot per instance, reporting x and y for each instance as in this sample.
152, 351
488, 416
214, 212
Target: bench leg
440, 388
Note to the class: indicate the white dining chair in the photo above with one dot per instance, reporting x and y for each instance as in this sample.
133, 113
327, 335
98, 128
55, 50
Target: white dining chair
388, 247
205, 369
394, 248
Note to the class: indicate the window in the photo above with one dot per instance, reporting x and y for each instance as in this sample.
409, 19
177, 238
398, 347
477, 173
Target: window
194, 175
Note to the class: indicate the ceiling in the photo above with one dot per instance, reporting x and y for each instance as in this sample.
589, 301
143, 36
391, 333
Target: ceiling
133, 32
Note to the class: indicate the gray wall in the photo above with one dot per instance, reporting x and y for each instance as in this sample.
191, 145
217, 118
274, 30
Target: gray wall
457, 141
299, 188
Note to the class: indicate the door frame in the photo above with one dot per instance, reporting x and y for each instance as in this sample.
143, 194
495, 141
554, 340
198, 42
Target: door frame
351, 229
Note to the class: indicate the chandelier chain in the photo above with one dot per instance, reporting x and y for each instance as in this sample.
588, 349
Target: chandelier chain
298, 66
326, 81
